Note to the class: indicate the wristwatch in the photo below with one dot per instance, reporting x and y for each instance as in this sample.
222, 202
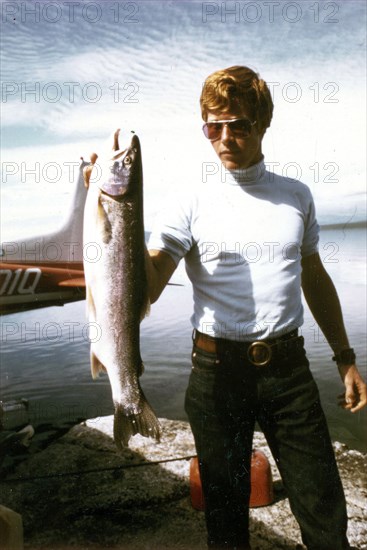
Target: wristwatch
345, 357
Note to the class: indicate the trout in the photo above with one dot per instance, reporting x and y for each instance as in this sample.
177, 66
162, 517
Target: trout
116, 287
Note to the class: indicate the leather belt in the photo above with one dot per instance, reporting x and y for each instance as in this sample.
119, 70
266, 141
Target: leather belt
259, 353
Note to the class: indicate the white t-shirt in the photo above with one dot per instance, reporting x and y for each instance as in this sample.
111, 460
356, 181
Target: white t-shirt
242, 236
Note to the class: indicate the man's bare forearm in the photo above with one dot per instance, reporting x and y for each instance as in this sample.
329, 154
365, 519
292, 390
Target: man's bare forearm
323, 301
159, 268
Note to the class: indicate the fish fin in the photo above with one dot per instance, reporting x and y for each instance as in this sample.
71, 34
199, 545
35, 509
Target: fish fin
145, 308
141, 369
96, 365
144, 423
91, 307
104, 223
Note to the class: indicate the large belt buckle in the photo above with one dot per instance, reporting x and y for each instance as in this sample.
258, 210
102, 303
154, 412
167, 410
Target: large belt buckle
259, 354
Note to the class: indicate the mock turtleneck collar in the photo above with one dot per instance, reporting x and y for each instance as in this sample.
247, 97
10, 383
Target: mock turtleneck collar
251, 175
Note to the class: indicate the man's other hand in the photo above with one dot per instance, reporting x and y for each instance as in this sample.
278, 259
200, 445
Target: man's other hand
355, 396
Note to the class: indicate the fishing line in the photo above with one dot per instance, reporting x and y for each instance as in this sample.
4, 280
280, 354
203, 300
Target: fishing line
95, 470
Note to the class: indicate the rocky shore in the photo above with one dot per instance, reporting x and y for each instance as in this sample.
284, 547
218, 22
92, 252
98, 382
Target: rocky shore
78, 493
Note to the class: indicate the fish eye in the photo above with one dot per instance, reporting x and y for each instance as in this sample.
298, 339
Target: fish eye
127, 160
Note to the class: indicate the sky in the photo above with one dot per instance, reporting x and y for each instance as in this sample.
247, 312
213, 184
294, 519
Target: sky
73, 72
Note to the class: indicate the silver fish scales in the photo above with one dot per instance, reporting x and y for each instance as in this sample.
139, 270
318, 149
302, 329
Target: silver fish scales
117, 297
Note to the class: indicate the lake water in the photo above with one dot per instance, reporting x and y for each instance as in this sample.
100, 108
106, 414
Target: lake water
45, 353
74, 71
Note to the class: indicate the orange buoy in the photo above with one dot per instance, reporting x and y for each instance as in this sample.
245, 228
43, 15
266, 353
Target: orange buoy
261, 482
196, 492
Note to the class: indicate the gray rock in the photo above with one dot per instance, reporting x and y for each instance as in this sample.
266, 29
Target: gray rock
79, 493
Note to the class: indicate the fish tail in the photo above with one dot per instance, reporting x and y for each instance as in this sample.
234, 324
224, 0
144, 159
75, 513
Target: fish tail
144, 423
96, 365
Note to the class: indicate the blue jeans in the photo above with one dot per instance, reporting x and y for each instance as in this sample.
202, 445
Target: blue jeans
225, 396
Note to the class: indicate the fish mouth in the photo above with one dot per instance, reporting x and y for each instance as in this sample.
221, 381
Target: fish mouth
121, 170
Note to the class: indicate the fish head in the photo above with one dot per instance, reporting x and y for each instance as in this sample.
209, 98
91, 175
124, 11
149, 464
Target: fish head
124, 174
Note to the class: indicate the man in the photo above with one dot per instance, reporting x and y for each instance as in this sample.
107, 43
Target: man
248, 359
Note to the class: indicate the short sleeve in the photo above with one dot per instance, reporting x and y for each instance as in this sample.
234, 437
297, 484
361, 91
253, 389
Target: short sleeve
311, 235
172, 228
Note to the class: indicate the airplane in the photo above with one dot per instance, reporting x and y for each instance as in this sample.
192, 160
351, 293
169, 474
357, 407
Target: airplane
46, 270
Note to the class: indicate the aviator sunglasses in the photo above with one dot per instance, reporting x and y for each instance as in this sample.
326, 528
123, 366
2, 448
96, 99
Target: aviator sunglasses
240, 128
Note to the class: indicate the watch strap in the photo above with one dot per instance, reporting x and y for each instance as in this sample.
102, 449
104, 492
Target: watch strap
345, 357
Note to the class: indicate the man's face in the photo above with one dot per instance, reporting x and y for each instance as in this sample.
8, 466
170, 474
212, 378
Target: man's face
233, 151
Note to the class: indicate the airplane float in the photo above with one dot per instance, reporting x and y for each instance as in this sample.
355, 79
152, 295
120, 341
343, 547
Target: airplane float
46, 270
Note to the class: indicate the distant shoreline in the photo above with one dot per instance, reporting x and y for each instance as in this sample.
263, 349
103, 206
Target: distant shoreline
346, 225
